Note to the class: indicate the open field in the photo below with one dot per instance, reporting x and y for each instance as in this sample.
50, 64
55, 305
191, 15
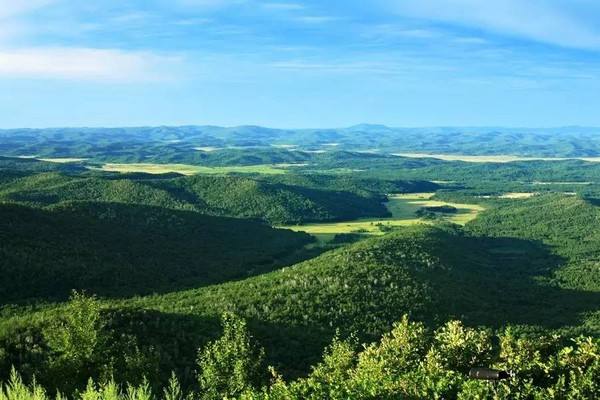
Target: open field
59, 160
207, 149
186, 169
63, 160
561, 183
492, 158
402, 207
511, 195
517, 195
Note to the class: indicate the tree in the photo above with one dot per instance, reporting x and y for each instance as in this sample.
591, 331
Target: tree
231, 364
75, 339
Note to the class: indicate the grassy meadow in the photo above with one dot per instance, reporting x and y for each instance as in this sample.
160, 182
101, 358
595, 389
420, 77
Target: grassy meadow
403, 208
186, 169
492, 158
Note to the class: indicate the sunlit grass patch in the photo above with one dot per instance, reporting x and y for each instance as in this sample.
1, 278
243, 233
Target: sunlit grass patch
187, 169
403, 208
63, 160
517, 195
492, 158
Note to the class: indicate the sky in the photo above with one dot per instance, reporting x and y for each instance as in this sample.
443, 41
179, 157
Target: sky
299, 63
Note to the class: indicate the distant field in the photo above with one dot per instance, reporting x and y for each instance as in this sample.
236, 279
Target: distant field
511, 195
403, 208
186, 169
517, 195
59, 160
492, 159
561, 183
63, 160
207, 149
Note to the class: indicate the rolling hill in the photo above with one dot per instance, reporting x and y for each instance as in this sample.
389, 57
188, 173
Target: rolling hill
170, 144
432, 274
121, 250
232, 196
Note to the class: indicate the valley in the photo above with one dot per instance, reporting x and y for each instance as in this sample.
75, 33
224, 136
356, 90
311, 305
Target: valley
299, 200
153, 255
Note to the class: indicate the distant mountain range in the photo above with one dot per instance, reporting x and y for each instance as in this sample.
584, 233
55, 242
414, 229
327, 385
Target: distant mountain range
148, 141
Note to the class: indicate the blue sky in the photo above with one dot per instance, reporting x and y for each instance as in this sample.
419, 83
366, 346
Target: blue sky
299, 63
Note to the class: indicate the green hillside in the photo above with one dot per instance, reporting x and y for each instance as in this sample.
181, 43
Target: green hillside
432, 274
566, 224
274, 202
118, 250
169, 254
232, 196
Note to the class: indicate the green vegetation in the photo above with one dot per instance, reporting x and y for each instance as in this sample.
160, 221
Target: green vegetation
116, 249
566, 223
180, 144
497, 158
275, 202
408, 362
231, 196
405, 210
434, 274
183, 288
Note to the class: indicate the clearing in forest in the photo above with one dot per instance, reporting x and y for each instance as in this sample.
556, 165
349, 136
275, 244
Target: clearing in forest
491, 158
187, 169
403, 208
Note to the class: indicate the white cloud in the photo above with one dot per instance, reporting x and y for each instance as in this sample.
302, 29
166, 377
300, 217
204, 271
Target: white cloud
209, 3
10, 8
283, 6
316, 19
399, 67
10, 12
86, 64
557, 22
393, 31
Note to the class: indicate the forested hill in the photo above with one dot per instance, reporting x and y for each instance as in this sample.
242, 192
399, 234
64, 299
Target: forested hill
122, 250
432, 274
274, 201
568, 224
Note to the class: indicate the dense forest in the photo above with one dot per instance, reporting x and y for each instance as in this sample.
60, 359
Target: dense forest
188, 286
410, 361
281, 201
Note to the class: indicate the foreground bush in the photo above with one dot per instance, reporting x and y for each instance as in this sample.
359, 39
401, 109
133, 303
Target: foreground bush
409, 362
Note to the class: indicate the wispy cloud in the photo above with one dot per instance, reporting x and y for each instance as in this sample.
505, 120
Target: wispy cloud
208, 4
557, 22
393, 31
10, 8
87, 64
399, 67
316, 19
283, 6
10, 12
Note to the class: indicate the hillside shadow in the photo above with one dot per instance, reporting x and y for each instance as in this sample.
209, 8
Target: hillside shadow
176, 338
119, 250
495, 281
